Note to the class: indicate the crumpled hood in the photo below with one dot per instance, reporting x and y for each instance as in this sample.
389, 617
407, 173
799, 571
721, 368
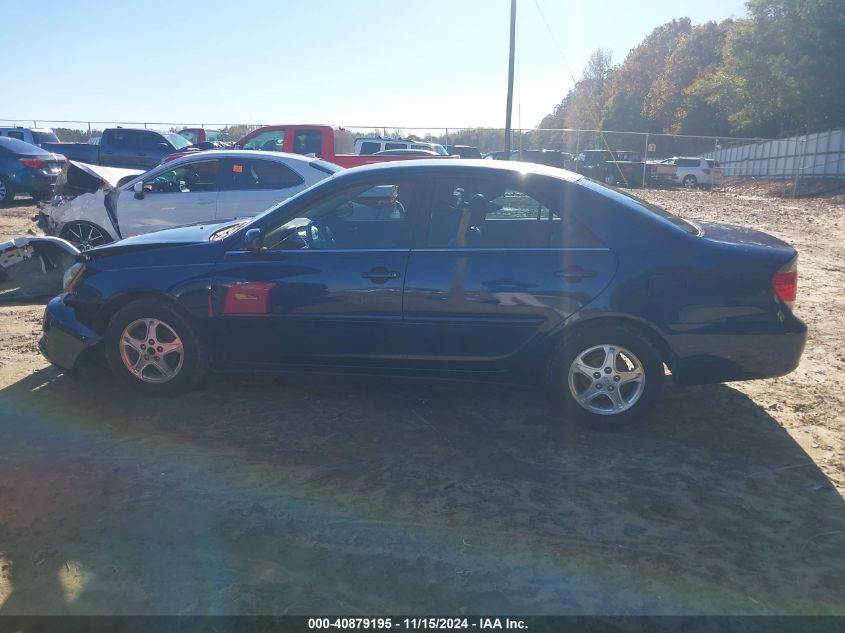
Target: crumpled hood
78, 178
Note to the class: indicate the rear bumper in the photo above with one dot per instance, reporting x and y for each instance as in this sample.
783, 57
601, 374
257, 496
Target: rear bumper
34, 182
64, 339
720, 357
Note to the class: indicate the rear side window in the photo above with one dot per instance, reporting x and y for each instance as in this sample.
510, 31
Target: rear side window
395, 146
121, 140
308, 142
257, 174
481, 213
17, 135
370, 147
688, 162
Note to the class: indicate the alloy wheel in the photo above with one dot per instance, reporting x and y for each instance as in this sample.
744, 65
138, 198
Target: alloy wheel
151, 350
606, 379
85, 236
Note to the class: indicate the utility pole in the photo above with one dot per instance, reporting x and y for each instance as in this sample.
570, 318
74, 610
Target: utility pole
510, 83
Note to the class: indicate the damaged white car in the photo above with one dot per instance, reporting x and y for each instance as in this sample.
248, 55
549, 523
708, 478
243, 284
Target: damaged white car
96, 205
32, 267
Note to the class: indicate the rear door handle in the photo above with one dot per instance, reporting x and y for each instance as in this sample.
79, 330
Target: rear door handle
380, 274
575, 273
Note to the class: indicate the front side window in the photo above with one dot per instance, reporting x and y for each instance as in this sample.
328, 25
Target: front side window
256, 174
17, 135
270, 141
371, 216
190, 177
149, 141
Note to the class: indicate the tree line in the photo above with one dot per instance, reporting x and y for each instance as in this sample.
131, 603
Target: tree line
775, 72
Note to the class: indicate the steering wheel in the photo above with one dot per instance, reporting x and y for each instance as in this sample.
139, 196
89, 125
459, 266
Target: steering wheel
317, 235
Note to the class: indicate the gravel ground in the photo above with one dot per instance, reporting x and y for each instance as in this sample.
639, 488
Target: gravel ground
311, 494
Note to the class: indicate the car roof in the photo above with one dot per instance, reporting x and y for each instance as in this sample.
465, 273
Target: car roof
246, 153
20, 147
451, 164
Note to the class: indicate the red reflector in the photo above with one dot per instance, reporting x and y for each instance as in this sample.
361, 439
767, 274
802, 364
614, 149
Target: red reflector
35, 163
786, 286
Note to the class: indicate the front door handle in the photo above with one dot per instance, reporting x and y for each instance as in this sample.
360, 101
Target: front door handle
380, 274
204, 202
575, 273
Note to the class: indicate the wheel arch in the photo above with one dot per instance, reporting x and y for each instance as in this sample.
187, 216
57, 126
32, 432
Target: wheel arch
117, 303
641, 326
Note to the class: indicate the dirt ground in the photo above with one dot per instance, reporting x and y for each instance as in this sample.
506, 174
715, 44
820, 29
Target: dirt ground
312, 494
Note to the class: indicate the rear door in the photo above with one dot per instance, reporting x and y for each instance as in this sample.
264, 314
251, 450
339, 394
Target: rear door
173, 196
501, 262
249, 186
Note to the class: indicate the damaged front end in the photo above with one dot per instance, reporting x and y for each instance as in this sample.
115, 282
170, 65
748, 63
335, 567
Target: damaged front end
33, 267
85, 194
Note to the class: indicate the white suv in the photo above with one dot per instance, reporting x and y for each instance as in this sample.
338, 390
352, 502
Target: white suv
695, 172
372, 145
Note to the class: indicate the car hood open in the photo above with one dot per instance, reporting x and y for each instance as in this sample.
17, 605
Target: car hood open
78, 178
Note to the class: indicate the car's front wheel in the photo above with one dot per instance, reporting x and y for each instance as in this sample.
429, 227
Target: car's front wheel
84, 235
606, 374
154, 348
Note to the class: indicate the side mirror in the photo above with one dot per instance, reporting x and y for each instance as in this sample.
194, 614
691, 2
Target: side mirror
253, 240
139, 190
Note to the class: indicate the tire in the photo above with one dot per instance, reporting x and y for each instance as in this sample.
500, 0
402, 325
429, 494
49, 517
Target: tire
84, 235
609, 179
617, 397
162, 373
690, 182
7, 194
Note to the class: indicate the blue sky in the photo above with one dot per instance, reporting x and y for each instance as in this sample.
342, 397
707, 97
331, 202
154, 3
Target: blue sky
394, 63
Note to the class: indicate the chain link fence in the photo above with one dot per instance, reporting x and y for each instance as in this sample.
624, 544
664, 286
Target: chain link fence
820, 155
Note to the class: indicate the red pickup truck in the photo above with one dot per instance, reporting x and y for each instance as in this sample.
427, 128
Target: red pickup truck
329, 142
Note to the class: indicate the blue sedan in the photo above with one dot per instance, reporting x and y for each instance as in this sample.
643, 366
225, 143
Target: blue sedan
469, 269
26, 168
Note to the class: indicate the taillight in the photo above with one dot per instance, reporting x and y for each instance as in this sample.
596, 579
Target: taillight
785, 283
35, 163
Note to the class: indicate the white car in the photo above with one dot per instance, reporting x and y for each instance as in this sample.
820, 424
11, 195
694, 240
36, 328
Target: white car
95, 205
373, 145
695, 172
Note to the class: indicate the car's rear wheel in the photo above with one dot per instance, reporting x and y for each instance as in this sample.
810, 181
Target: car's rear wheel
154, 348
609, 179
606, 374
7, 194
690, 182
84, 235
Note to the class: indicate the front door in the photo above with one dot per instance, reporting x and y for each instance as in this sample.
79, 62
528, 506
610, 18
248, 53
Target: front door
174, 196
326, 289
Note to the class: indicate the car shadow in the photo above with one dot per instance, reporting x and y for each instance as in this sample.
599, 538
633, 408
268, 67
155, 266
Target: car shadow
310, 494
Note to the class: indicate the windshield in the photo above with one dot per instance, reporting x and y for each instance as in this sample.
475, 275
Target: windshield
179, 142
439, 149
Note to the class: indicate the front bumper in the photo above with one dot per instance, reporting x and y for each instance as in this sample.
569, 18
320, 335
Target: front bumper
64, 339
